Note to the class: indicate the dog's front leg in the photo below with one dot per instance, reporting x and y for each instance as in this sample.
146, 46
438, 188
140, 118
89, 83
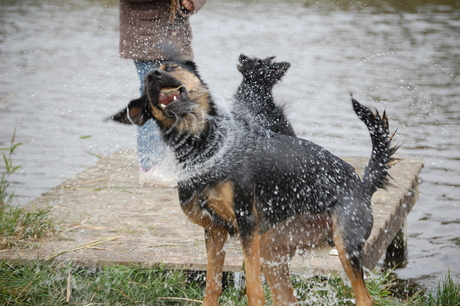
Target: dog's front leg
215, 236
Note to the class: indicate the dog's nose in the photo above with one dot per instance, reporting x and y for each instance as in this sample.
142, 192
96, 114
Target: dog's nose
154, 75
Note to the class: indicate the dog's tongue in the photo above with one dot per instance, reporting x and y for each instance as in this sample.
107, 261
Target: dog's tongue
167, 95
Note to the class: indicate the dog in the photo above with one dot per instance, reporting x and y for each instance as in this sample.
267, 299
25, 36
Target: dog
278, 193
254, 95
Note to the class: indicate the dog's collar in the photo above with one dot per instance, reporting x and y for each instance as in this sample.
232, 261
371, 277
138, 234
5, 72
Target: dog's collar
129, 117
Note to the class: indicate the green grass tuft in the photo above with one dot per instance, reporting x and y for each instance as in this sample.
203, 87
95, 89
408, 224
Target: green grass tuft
448, 293
65, 284
17, 224
110, 285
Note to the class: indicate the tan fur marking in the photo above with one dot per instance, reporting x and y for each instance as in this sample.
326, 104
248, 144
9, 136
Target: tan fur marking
393, 162
195, 121
254, 290
161, 117
221, 202
279, 244
193, 212
357, 282
215, 241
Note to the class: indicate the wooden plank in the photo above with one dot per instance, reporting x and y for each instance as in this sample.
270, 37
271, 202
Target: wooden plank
131, 224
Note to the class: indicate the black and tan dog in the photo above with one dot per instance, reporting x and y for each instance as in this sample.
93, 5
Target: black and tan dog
254, 96
276, 192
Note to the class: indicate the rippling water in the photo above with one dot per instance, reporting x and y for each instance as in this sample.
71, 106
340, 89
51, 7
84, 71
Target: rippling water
60, 75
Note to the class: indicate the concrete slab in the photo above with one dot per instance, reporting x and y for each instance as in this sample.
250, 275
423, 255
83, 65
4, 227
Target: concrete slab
107, 218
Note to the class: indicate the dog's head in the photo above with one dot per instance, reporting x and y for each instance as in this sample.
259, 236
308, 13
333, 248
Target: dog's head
175, 96
262, 69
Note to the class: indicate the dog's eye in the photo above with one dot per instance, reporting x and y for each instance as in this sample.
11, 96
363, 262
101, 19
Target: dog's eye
170, 68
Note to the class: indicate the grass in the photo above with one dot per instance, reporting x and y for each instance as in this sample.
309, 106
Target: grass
18, 225
34, 284
6, 198
447, 294
109, 285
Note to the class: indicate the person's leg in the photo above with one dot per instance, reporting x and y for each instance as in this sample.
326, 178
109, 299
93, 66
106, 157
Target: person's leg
142, 68
150, 146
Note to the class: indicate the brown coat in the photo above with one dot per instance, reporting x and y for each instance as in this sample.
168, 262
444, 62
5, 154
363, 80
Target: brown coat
145, 26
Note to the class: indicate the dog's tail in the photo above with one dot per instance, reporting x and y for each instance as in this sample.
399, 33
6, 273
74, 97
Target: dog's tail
376, 172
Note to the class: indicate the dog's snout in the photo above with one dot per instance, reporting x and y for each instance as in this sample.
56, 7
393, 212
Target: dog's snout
154, 75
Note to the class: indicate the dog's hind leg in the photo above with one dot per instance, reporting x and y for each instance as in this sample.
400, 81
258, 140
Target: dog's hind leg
355, 274
215, 236
276, 256
304, 232
350, 229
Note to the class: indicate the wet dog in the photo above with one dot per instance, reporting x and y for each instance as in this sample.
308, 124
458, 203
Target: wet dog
278, 193
254, 95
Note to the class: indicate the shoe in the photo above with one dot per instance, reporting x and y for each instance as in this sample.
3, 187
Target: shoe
157, 177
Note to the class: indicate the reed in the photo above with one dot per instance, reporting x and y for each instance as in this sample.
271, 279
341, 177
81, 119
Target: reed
18, 225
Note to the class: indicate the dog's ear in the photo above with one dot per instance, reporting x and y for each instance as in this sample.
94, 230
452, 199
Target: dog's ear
137, 112
270, 59
243, 58
281, 68
192, 66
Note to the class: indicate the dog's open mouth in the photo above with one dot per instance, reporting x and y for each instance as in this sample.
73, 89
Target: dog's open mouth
169, 95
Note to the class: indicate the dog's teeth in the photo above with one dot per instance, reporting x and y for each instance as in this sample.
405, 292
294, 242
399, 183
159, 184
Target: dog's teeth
175, 98
163, 106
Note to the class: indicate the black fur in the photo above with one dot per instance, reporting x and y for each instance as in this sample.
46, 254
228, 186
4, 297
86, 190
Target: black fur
376, 172
273, 176
285, 175
254, 95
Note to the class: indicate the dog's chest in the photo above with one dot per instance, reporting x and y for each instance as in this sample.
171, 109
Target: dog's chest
207, 205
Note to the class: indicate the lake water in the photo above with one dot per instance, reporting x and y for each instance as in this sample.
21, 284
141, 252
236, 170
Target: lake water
60, 76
